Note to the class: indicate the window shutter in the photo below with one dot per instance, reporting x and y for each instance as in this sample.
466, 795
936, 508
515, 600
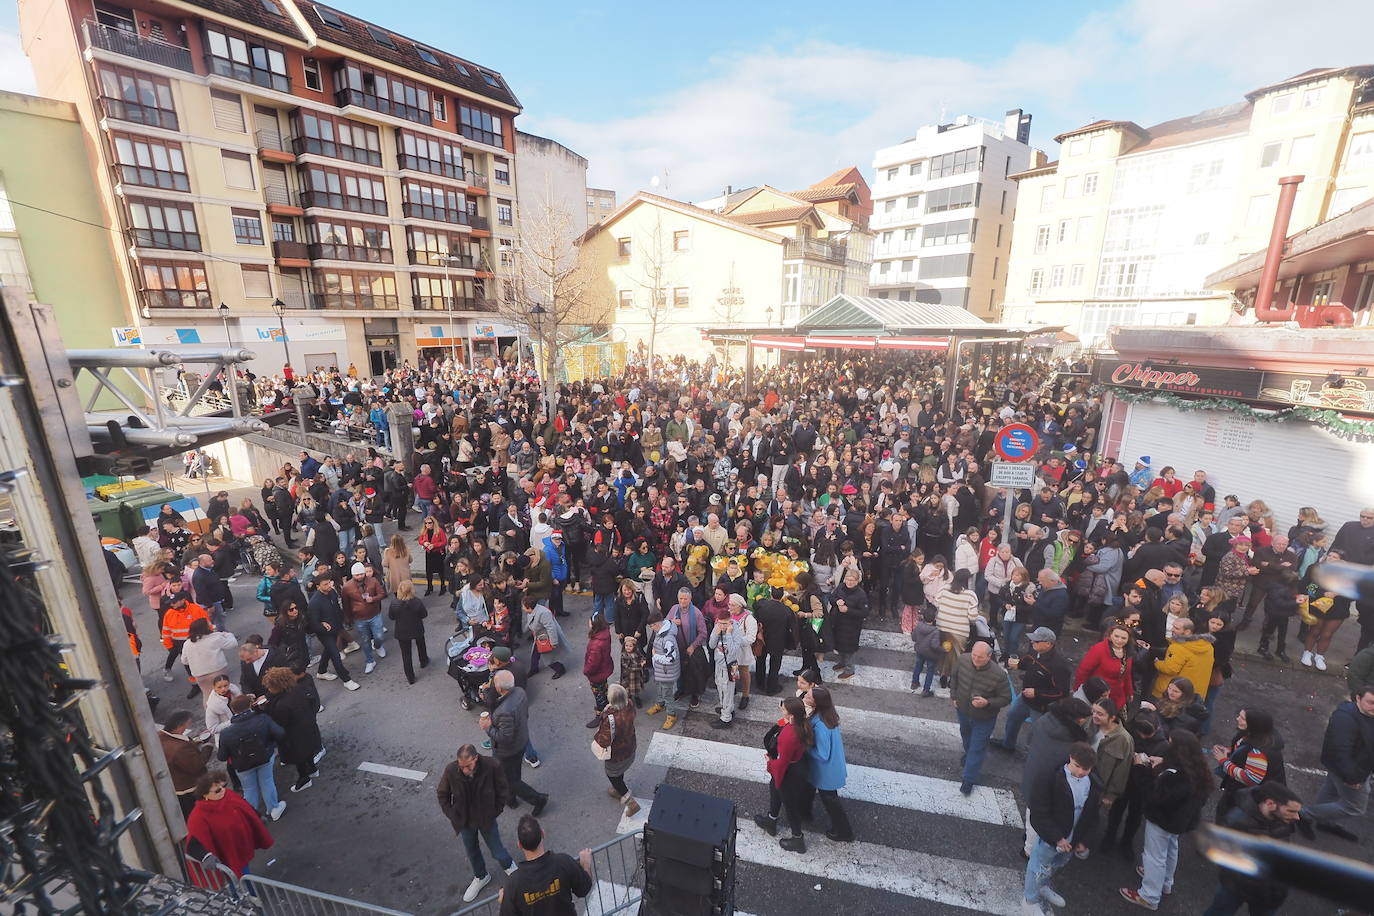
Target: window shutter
257, 284
238, 170
228, 111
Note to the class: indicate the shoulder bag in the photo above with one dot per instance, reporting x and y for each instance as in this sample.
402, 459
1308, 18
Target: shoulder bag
604, 753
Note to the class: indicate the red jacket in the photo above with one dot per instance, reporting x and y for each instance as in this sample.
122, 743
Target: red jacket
230, 829
435, 544
790, 751
425, 486
1099, 662
597, 665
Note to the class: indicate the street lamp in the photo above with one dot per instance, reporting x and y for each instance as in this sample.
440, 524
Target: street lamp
538, 311
224, 318
279, 308
448, 286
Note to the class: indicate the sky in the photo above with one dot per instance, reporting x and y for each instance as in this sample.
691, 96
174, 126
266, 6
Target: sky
750, 92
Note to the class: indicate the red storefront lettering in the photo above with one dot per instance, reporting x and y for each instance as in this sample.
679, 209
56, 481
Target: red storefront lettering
1146, 376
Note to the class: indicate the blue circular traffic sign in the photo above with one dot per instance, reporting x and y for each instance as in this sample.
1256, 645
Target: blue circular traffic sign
1016, 442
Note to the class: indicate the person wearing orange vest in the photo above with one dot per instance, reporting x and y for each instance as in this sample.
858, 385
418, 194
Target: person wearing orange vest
176, 627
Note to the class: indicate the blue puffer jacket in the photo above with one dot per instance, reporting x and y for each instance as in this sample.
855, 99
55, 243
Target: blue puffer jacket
558, 559
1348, 746
825, 760
1050, 608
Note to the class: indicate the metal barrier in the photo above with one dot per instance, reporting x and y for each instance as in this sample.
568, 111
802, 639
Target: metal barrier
617, 881
209, 873
277, 898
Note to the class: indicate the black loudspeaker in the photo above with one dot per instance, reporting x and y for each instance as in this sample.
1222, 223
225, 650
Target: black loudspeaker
689, 855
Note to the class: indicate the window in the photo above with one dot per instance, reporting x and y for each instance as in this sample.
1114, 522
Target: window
1042, 239
426, 55
505, 213
430, 247
909, 237
382, 38
942, 199
1360, 154
623, 249
227, 110
163, 224
995, 263
889, 206
283, 230
884, 267
1259, 212
426, 201
379, 91
150, 163
1056, 276
458, 65
954, 232
1097, 143
128, 95
948, 265
500, 168
891, 174
626, 298
1282, 104
506, 248
907, 265
245, 57
345, 240
1089, 184
1048, 196
14, 270
1312, 98
791, 282
681, 297
491, 80
175, 284
1269, 154
999, 235
887, 237
337, 138
312, 75
1204, 176
1076, 275
328, 187
238, 170
915, 168
247, 226
1300, 150
913, 202
965, 160
257, 282
479, 124
1133, 228
1072, 186
1002, 207
440, 108
330, 18
1075, 147
1085, 228
681, 240
1343, 199
1062, 235
429, 154
1037, 281
1124, 277
348, 289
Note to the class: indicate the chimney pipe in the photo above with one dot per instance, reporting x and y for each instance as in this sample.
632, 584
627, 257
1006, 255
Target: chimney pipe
1264, 294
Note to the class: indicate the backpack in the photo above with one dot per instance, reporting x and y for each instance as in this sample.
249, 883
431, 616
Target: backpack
250, 752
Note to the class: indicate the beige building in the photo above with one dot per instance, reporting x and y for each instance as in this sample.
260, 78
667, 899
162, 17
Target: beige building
552, 186
600, 204
52, 246
1126, 225
316, 173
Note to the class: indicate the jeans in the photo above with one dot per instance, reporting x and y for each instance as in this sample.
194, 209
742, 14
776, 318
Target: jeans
366, 631
1226, 902
931, 667
216, 612
1011, 637
1016, 717
605, 606
519, 788
1335, 799
347, 538
667, 693
1045, 860
406, 663
492, 835
259, 785
975, 734
425, 507
1159, 860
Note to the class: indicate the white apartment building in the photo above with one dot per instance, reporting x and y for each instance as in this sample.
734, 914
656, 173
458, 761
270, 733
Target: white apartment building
942, 212
1125, 226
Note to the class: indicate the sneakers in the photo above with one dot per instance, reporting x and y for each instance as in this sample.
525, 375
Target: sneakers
654, 709
769, 824
540, 804
369, 667
534, 764
669, 722
696, 701
1320, 662
320, 755
314, 660
327, 676
1031, 908
381, 651
744, 702
1140, 870
721, 723
1132, 895
631, 807
927, 693
614, 794
277, 811
167, 676
351, 648
301, 785
352, 685
1051, 896
510, 870
793, 843
486, 745
475, 888
1306, 663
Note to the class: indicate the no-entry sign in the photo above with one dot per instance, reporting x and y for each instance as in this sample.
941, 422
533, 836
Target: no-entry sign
1016, 442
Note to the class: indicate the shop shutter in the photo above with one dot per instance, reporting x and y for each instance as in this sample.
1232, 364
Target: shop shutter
1288, 465
228, 111
257, 284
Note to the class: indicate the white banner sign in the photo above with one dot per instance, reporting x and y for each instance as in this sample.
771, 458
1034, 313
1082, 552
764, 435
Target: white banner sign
1020, 474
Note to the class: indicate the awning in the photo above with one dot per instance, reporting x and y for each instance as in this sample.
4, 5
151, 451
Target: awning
440, 341
842, 343
780, 343
912, 343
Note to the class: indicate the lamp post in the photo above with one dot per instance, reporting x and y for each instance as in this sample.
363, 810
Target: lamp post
230, 376
448, 286
279, 308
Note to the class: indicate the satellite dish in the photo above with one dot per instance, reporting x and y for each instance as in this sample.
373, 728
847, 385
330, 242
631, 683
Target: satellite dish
653, 182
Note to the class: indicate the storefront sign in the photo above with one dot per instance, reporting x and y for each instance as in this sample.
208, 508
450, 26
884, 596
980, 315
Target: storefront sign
127, 337
1205, 381
1349, 393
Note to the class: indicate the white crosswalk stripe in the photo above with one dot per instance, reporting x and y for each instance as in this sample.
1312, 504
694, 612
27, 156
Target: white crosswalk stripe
914, 729
870, 676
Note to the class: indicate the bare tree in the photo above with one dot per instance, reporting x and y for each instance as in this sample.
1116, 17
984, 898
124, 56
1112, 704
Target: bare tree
655, 270
547, 291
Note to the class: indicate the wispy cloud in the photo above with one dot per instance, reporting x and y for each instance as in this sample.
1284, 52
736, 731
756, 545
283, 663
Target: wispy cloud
789, 114
15, 73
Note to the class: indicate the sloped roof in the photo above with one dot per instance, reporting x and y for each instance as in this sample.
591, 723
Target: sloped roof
1205, 125
255, 12
863, 312
1308, 76
825, 192
680, 207
1038, 170
743, 197
1099, 125
777, 215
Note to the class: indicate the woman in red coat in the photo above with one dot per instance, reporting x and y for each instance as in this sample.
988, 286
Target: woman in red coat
788, 774
225, 824
1110, 660
597, 664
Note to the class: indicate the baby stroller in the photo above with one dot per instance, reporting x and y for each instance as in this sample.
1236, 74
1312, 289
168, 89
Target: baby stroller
467, 664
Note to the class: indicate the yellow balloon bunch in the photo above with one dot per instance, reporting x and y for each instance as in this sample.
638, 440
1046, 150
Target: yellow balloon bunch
780, 571
1307, 606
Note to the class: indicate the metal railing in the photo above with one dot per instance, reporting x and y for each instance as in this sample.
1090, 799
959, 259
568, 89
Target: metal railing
814, 248
288, 248
273, 140
476, 178
131, 44
277, 898
276, 194
617, 881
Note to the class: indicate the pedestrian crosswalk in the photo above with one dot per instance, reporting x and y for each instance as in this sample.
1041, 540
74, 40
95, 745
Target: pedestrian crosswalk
920, 846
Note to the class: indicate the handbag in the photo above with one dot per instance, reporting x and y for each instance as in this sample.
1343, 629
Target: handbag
604, 753
770, 741
542, 644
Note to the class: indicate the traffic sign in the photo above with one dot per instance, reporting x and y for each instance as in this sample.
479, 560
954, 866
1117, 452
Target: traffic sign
1016, 442
1017, 474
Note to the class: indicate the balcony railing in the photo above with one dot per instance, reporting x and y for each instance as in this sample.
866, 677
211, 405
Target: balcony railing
164, 238
134, 113
385, 106
477, 179
437, 214
407, 162
130, 44
439, 259
272, 139
343, 202
323, 251
455, 303
478, 222
283, 248
353, 301
176, 299
814, 248
246, 74
315, 146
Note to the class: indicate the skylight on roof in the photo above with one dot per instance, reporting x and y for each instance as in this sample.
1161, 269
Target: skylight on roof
330, 18
271, 7
461, 69
491, 79
382, 38
425, 55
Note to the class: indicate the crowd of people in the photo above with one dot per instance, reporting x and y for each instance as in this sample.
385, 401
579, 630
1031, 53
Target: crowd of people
717, 531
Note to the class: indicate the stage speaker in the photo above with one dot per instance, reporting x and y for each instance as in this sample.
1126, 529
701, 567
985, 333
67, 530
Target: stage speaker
689, 855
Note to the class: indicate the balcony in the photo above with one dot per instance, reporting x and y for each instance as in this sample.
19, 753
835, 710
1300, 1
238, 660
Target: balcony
814, 248
279, 201
134, 113
455, 304
290, 254
436, 214
440, 259
353, 301
343, 202
478, 222
273, 147
346, 97
164, 238
409, 163
175, 299
122, 41
234, 70
477, 180
316, 146
321, 251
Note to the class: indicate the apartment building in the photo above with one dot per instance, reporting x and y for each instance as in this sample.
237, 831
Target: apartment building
943, 203
600, 204
323, 177
552, 187
1126, 225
